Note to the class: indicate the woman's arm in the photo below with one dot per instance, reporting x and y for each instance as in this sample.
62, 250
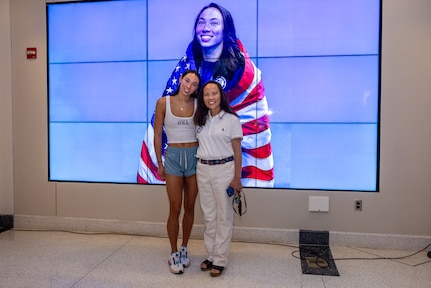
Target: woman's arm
158, 131
237, 153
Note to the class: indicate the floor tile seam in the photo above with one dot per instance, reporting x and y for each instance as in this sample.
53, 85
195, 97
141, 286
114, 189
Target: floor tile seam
102, 261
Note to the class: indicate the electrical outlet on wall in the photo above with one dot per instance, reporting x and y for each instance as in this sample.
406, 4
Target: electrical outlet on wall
358, 205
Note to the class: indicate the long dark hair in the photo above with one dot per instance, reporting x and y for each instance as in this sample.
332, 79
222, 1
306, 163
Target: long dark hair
201, 114
231, 57
195, 94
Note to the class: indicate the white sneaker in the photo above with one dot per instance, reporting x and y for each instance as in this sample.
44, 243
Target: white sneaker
184, 258
174, 262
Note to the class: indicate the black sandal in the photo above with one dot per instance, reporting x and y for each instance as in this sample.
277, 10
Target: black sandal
208, 265
219, 270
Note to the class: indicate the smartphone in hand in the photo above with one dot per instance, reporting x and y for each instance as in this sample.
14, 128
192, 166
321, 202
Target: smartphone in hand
230, 191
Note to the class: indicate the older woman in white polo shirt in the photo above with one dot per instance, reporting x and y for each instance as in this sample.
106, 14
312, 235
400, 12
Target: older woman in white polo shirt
219, 132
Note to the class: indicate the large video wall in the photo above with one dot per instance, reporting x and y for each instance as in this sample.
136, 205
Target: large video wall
318, 60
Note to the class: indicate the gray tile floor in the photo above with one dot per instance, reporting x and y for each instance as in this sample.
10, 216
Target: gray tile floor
62, 259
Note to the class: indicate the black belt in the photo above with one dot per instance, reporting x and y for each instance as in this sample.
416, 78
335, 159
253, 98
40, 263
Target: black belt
217, 161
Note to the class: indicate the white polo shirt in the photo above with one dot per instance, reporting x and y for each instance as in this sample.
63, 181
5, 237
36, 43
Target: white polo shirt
216, 135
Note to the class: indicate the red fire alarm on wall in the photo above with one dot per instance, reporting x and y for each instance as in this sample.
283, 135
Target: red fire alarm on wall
31, 53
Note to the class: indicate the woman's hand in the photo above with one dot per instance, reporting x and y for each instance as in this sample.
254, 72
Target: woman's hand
161, 171
236, 185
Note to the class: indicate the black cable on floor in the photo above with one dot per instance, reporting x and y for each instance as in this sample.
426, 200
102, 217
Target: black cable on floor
366, 258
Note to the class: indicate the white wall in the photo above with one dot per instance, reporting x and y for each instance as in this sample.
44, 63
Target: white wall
401, 207
6, 163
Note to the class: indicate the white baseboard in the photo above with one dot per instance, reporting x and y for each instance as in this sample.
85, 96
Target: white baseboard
243, 234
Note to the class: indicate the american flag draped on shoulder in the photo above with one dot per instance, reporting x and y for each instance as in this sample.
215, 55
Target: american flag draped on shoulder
247, 98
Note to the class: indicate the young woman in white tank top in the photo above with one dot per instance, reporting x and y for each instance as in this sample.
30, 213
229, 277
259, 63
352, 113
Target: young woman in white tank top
178, 166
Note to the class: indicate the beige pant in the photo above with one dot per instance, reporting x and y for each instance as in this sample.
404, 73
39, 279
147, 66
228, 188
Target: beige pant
216, 205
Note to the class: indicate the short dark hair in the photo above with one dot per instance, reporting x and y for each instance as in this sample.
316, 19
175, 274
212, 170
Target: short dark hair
201, 114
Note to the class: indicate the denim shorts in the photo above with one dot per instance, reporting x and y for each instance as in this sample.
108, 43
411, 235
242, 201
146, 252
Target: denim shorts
181, 161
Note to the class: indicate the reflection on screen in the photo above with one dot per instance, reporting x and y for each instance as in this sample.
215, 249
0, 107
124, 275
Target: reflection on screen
109, 61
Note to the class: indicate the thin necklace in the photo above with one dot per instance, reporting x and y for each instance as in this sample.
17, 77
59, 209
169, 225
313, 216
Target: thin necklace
181, 106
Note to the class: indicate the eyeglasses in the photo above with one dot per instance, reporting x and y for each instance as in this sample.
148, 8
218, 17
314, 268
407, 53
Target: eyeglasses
239, 205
